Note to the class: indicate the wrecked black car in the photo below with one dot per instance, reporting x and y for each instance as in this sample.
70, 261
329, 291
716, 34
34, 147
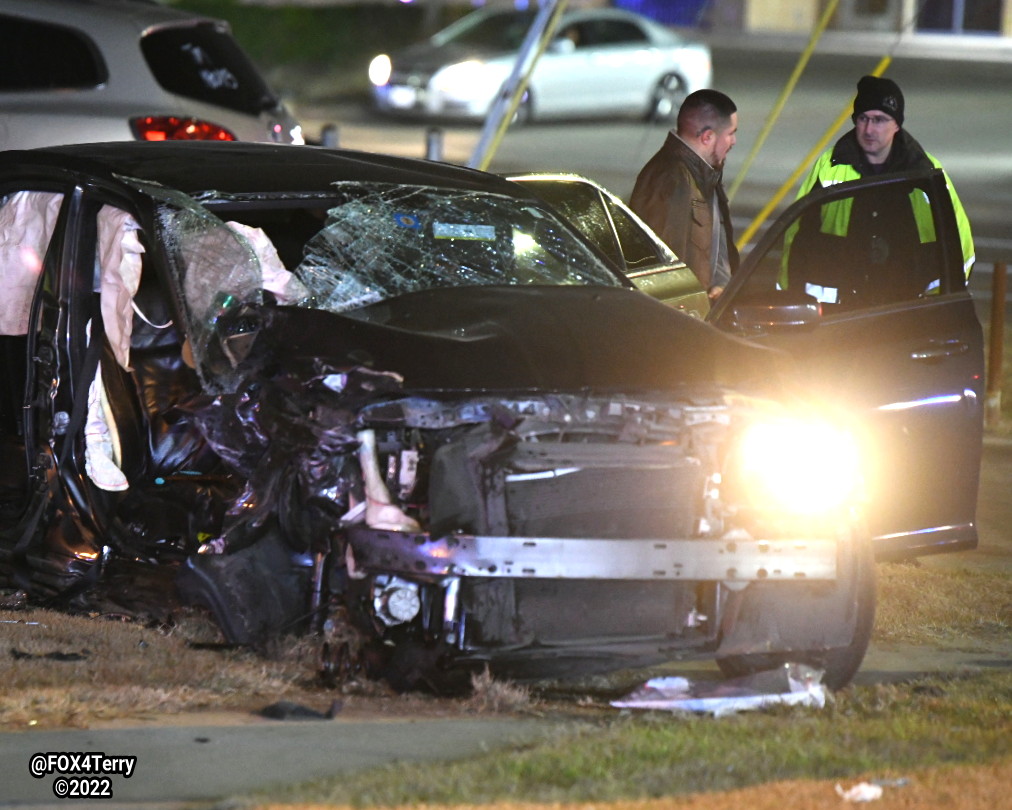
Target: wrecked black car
403, 407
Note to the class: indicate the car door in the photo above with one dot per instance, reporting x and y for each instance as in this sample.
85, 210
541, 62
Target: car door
901, 350
63, 452
559, 81
618, 52
623, 237
29, 217
40, 221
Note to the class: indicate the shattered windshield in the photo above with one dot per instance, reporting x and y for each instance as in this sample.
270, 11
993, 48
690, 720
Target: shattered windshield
385, 241
358, 244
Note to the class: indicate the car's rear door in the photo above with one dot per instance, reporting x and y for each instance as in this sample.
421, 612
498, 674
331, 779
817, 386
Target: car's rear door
903, 352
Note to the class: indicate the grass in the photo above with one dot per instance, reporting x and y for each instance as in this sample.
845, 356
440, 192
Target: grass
1004, 427
59, 671
63, 670
921, 605
886, 729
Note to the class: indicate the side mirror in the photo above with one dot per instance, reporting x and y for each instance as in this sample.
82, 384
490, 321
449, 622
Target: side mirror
774, 311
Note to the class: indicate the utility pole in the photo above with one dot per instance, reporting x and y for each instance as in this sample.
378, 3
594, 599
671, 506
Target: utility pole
512, 90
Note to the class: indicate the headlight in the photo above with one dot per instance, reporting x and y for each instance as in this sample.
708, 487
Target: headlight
380, 69
468, 80
801, 467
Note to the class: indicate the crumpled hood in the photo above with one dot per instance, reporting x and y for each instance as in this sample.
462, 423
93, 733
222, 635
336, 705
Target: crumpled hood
523, 339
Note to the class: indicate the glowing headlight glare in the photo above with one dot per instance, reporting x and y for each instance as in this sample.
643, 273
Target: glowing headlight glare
801, 466
380, 69
465, 80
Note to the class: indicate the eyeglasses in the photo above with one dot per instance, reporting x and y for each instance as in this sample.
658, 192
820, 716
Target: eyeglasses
872, 120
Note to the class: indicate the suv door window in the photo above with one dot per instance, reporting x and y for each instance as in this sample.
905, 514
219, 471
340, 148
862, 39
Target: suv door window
637, 248
877, 246
580, 203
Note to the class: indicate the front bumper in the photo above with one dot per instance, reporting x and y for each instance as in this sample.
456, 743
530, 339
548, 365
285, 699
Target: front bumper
735, 557
410, 100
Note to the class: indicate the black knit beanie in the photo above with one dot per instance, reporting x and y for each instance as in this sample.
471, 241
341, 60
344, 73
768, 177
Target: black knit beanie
875, 93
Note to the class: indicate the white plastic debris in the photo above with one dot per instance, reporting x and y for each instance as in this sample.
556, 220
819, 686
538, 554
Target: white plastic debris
791, 684
861, 792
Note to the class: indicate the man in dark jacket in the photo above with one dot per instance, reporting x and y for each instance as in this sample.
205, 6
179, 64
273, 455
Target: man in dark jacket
680, 194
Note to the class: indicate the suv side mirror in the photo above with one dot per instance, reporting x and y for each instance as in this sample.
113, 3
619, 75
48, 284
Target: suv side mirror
777, 310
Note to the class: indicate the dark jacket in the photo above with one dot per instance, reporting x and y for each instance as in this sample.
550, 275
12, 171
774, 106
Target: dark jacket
674, 195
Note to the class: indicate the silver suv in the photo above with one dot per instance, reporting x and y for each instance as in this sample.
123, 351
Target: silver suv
75, 71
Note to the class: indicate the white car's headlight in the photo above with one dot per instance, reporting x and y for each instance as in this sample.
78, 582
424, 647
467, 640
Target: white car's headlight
380, 69
799, 466
467, 80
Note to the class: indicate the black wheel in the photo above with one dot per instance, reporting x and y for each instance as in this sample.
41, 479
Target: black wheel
667, 97
855, 594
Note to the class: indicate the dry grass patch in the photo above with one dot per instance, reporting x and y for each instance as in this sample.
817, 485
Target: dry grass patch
59, 670
490, 695
922, 605
63, 670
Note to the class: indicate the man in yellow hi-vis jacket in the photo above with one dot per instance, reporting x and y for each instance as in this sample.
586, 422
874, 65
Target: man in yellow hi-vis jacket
880, 226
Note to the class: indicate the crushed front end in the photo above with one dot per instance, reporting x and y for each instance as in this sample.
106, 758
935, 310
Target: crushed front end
537, 535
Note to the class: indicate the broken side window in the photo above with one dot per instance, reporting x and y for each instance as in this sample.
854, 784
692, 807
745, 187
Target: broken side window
215, 267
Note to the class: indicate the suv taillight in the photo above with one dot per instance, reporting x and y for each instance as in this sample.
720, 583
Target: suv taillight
172, 128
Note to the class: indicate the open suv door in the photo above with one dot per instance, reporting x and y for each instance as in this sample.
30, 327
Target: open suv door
894, 339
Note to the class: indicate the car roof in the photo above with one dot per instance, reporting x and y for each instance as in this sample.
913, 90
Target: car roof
576, 15
245, 167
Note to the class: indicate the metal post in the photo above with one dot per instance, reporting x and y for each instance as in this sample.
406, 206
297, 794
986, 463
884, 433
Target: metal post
512, 90
434, 143
328, 136
996, 347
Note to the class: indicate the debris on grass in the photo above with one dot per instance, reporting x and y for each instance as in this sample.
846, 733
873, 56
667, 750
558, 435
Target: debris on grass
791, 684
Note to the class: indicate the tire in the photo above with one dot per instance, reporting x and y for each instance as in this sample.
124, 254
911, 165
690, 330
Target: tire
839, 664
669, 92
